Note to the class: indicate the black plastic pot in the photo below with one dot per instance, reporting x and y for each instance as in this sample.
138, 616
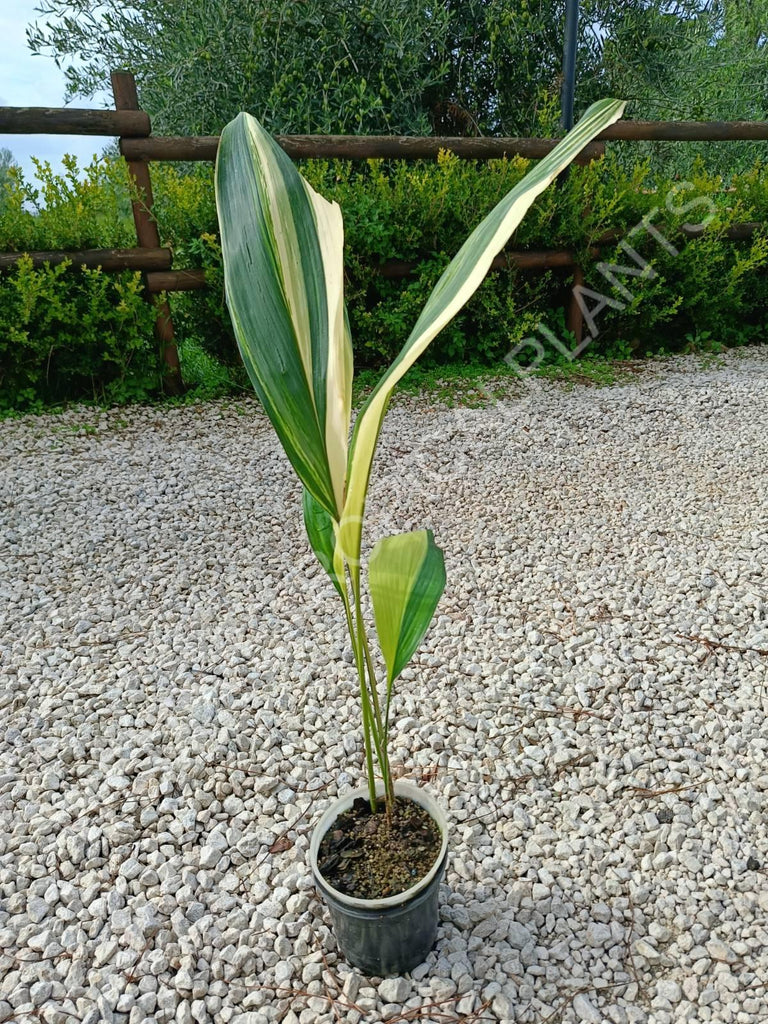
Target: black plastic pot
391, 936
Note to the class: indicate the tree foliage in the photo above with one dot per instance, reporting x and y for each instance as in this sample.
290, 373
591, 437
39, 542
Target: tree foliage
701, 61
412, 66
696, 61
298, 65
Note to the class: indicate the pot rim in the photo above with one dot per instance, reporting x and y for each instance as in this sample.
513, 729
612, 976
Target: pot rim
404, 788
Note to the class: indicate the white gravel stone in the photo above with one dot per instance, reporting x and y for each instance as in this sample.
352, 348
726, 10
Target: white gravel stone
210, 856
669, 990
40, 992
586, 1011
645, 949
37, 909
351, 986
184, 1013
284, 972
518, 935
601, 912
394, 990
502, 1007
721, 951
598, 935
588, 705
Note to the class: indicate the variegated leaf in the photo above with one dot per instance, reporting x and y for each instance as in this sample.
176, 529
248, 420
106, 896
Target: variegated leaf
282, 247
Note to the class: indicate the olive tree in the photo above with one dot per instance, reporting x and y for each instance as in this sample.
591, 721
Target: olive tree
452, 67
327, 66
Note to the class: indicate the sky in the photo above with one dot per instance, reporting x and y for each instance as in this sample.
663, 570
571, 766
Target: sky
27, 81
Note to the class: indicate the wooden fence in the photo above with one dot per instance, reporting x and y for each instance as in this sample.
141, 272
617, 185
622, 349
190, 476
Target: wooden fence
132, 127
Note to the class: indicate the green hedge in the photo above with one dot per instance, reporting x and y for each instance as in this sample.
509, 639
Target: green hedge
424, 212
68, 333
712, 292
75, 334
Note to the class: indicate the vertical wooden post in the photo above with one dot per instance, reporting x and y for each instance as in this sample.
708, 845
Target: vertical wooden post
574, 317
147, 235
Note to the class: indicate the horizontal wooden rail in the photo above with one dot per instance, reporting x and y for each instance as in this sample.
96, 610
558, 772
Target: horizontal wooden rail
136, 124
543, 260
160, 278
365, 147
552, 259
735, 233
354, 147
107, 259
66, 121
175, 281
188, 280
687, 131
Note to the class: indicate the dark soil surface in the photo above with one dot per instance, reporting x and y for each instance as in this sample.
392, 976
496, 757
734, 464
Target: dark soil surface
366, 856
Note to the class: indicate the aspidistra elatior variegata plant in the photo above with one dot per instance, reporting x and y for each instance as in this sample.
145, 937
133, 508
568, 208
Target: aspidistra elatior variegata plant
282, 246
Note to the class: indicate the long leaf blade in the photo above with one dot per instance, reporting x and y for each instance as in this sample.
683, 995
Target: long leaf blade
283, 270
322, 537
456, 286
406, 575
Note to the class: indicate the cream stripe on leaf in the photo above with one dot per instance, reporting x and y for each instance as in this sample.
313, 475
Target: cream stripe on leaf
282, 247
456, 286
338, 369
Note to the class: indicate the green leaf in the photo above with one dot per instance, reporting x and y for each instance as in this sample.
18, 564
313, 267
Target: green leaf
322, 537
406, 575
460, 280
282, 246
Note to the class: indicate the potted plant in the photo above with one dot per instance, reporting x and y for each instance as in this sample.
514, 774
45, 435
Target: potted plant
378, 854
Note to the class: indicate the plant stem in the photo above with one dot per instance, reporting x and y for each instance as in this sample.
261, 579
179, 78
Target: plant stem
371, 699
368, 725
386, 774
371, 673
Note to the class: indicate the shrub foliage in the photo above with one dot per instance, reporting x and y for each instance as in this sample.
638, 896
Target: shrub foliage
73, 334
65, 332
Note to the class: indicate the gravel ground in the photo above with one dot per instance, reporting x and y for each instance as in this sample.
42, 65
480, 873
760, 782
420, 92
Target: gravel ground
178, 705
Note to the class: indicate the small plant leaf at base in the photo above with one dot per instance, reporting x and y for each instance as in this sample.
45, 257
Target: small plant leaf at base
406, 575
